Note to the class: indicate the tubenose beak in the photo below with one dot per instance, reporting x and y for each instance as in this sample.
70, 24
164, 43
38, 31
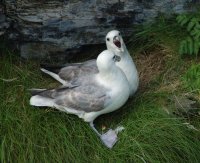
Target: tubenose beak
117, 42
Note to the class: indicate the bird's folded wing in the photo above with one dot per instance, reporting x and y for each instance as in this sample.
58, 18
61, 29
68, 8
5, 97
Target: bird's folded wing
86, 63
70, 72
86, 98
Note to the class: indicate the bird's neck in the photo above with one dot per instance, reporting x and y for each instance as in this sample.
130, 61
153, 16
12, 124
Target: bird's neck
123, 53
107, 77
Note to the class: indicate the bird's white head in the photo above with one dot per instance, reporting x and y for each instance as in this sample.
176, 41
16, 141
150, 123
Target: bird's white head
106, 61
114, 41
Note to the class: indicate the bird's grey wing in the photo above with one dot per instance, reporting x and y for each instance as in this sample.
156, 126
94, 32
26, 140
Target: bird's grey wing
52, 93
72, 70
75, 71
85, 98
86, 63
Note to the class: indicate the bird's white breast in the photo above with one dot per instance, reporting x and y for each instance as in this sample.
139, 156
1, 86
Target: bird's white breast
128, 67
119, 92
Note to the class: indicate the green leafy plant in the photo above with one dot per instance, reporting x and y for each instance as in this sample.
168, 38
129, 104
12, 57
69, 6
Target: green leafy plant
191, 44
192, 78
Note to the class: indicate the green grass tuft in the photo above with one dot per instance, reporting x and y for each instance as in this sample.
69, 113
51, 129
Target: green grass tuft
161, 32
191, 78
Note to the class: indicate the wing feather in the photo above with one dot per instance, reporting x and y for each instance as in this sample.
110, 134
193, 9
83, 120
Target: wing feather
88, 98
73, 71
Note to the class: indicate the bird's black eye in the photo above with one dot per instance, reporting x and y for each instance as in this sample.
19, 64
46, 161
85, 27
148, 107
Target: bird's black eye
108, 39
119, 33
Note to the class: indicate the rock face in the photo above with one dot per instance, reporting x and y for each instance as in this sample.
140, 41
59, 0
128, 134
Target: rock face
3, 23
45, 28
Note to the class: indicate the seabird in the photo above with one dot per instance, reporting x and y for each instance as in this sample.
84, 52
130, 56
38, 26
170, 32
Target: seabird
114, 43
90, 96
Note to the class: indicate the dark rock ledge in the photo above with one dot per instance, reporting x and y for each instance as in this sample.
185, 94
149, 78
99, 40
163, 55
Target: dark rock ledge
41, 29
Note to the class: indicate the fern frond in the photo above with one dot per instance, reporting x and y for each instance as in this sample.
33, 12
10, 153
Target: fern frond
196, 48
190, 48
183, 47
190, 45
180, 18
191, 25
184, 21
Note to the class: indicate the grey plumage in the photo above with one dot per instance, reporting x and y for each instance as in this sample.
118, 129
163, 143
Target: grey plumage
85, 98
70, 71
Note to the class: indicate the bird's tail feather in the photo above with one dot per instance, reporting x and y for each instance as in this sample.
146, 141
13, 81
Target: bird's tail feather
38, 100
52, 68
53, 75
35, 91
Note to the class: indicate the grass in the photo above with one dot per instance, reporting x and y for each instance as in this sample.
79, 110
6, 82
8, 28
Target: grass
30, 134
192, 76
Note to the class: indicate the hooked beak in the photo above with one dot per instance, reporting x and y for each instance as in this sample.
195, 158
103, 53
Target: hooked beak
117, 42
116, 58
